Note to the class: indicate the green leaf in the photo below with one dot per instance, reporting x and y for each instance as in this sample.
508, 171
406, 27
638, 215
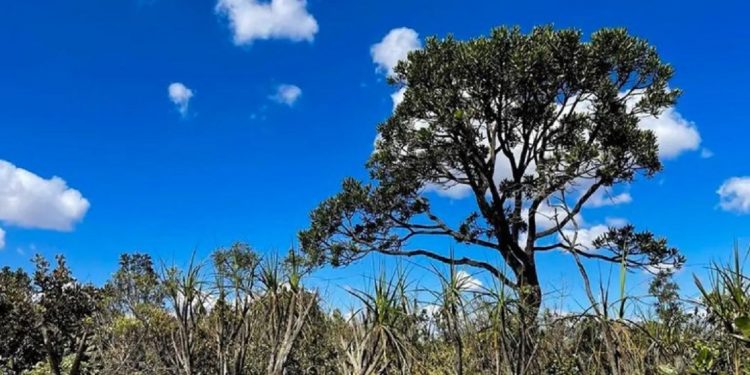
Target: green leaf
666, 370
743, 324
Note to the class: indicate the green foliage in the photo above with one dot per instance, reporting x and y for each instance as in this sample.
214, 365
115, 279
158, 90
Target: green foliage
728, 297
517, 121
65, 309
269, 322
705, 359
43, 368
20, 346
376, 338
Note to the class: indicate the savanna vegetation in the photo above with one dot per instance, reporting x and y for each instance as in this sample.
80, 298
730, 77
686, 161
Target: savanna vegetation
527, 128
238, 313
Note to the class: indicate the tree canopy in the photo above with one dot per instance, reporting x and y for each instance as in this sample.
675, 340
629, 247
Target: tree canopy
529, 127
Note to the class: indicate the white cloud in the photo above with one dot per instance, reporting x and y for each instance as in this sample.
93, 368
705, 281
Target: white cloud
431, 309
674, 134
398, 97
2, 238
603, 197
287, 94
734, 195
465, 281
180, 95
583, 237
706, 153
394, 47
277, 19
30, 201
448, 190
548, 216
661, 267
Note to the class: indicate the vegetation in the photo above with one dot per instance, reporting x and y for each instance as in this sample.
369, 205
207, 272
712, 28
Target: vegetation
241, 314
530, 127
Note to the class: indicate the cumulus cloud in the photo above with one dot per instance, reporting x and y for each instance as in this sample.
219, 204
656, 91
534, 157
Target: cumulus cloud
30, 201
734, 195
432, 310
394, 47
398, 97
583, 238
603, 197
674, 134
465, 281
448, 190
287, 94
661, 267
180, 95
548, 216
277, 19
2, 238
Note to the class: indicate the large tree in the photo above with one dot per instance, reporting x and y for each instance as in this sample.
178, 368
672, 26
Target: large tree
530, 126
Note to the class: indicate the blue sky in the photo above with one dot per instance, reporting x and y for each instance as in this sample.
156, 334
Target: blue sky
233, 154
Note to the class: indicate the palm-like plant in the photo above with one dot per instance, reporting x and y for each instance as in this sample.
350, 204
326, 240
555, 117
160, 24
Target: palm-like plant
288, 306
188, 300
727, 299
451, 304
377, 332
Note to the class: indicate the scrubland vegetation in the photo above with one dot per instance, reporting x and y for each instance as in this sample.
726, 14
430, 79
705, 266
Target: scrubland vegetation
241, 314
527, 130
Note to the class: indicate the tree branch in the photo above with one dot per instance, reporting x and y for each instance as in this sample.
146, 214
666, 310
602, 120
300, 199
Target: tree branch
576, 209
459, 262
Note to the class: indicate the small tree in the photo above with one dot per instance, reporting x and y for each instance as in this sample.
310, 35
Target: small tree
288, 306
187, 301
135, 284
236, 271
64, 311
133, 326
20, 348
375, 338
530, 127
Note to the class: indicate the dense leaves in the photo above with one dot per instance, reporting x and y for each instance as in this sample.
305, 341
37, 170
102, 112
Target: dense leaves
518, 123
20, 347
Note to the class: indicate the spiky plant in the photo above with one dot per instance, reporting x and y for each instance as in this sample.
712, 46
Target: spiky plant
377, 340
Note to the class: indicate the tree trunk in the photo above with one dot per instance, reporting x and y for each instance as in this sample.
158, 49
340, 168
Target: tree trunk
529, 290
459, 365
75, 369
52, 358
457, 340
530, 295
